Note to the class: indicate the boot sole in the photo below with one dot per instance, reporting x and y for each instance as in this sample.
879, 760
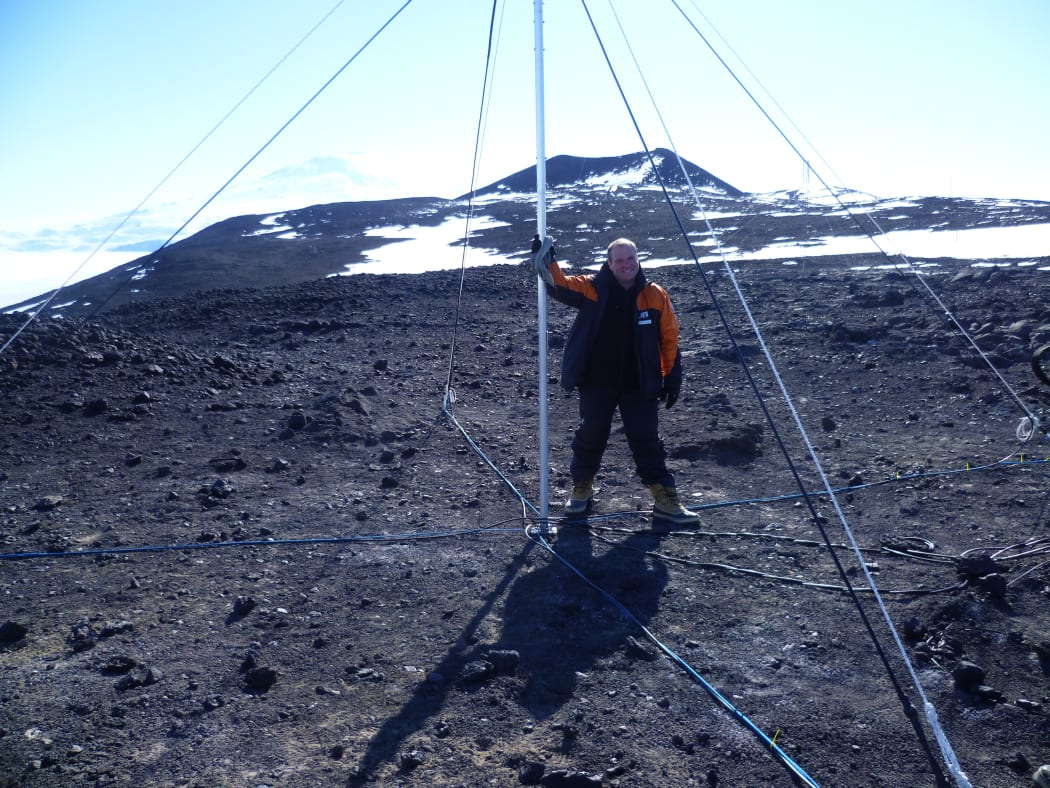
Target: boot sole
580, 514
666, 522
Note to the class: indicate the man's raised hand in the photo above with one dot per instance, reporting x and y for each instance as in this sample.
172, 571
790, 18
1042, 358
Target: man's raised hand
542, 257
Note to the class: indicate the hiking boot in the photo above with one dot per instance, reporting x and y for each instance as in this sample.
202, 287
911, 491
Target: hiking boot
669, 510
580, 499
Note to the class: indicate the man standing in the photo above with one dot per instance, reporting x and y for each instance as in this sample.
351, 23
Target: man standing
621, 352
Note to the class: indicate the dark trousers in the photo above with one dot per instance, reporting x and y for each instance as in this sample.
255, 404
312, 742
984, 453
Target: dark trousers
641, 425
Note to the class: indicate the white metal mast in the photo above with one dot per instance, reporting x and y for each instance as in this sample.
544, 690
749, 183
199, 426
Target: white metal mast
541, 292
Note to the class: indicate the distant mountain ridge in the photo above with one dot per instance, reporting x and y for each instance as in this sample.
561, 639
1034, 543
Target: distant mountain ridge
569, 170
594, 199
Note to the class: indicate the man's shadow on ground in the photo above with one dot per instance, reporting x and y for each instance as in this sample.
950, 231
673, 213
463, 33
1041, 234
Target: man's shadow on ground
557, 624
561, 626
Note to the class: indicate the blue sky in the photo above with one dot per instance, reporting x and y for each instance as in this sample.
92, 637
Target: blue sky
102, 99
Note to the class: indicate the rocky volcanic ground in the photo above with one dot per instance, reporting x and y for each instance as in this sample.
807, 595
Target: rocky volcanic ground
245, 544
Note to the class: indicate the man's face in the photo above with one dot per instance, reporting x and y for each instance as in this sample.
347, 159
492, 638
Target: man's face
623, 262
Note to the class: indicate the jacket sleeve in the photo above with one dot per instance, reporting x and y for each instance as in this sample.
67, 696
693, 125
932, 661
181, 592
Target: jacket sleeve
670, 354
572, 291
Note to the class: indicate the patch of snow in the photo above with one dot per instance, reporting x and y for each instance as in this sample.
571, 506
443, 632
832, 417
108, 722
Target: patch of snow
701, 215
614, 180
502, 194
270, 227
418, 249
981, 243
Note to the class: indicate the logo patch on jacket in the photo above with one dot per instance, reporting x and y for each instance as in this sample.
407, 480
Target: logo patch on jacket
644, 319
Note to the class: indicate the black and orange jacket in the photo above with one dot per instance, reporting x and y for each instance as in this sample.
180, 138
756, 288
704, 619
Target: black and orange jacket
655, 335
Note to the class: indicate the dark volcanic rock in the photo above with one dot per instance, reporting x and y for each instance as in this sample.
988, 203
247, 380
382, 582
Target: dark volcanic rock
260, 678
292, 553
967, 675
12, 631
139, 676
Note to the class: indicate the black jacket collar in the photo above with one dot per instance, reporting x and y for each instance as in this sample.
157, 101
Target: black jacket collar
605, 279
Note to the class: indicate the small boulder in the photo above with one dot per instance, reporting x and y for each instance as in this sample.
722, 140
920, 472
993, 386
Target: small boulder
243, 605
49, 502
967, 675
12, 632
260, 679
477, 671
82, 636
530, 772
139, 676
504, 661
96, 407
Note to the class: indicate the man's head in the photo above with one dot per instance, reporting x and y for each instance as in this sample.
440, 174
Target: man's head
623, 261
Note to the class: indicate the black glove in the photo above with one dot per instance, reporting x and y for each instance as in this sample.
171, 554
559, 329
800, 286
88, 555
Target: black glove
669, 395
542, 257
